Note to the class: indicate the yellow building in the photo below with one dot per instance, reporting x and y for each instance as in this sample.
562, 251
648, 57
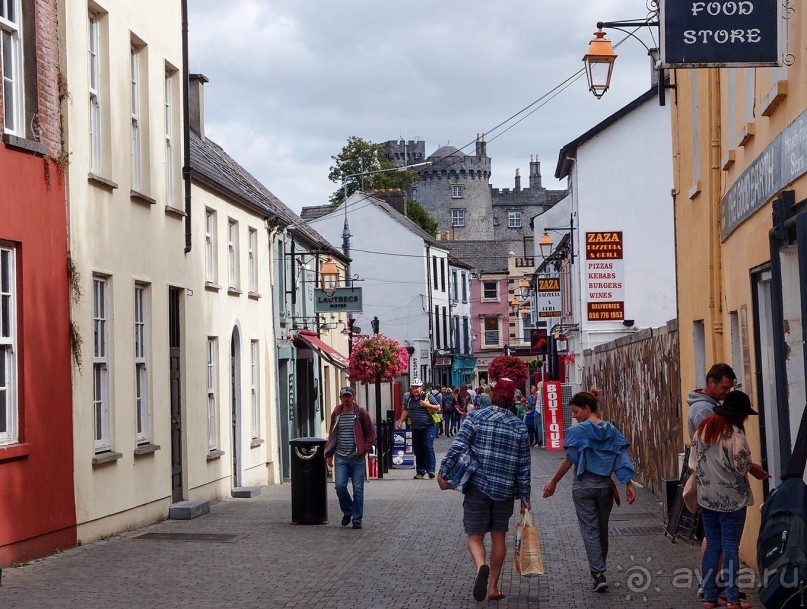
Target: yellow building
740, 144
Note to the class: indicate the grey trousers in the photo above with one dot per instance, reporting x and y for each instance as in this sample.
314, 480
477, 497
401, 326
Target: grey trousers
593, 506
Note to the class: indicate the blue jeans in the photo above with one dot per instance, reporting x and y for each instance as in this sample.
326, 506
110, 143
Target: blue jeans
539, 428
723, 531
423, 447
350, 468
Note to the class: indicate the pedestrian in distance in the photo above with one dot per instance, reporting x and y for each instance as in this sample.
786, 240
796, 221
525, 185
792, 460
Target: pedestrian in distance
417, 411
499, 442
529, 421
596, 449
483, 397
450, 415
720, 460
350, 437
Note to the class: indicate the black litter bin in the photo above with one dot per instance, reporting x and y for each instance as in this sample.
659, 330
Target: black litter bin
309, 495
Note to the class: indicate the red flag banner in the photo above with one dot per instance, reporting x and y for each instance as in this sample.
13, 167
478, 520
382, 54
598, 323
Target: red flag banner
553, 415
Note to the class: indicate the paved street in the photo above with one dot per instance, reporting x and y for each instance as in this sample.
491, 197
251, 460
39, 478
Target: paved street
411, 553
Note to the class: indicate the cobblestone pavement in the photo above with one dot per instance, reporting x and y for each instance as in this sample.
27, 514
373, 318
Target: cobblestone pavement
410, 554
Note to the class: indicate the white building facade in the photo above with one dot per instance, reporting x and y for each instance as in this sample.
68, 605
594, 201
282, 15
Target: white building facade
621, 276
404, 276
123, 133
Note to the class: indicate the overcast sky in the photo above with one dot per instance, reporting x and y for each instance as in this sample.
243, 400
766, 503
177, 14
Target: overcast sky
291, 80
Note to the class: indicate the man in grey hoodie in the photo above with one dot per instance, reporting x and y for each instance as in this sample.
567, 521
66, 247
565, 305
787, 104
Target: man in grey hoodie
719, 381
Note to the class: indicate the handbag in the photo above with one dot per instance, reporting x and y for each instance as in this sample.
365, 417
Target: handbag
690, 493
436, 417
527, 560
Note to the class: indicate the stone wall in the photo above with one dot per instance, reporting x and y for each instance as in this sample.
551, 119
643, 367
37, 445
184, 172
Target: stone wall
640, 392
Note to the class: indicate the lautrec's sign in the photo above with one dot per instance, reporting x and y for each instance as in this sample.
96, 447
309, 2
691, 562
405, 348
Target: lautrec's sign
720, 33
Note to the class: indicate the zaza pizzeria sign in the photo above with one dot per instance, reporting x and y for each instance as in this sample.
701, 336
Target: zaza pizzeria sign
721, 33
605, 276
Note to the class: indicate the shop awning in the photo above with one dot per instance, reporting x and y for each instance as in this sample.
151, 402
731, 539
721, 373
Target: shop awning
324, 349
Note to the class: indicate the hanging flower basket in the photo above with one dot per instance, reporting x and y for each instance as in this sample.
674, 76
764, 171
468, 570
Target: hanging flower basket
509, 367
377, 356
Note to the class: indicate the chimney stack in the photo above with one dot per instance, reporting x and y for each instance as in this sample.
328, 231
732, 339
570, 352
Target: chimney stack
196, 101
518, 179
535, 172
481, 146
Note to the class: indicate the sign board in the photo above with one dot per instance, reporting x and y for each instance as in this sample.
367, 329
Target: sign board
442, 361
605, 276
539, 342
720, 33
403, 456
553, 415
782, 161
344, 300
547, 296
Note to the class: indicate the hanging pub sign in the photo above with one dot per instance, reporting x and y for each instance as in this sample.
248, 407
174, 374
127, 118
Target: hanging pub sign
547, 296
343, 300
724, 33
605, 276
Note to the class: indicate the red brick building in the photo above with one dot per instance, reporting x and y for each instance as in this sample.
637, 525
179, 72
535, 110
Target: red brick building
37, 506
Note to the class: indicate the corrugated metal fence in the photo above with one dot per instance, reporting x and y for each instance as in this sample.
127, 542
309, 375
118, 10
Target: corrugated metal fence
640, 392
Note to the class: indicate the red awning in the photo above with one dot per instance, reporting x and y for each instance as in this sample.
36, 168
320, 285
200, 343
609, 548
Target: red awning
325, 350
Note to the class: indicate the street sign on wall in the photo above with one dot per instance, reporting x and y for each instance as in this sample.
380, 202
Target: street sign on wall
344, 300
725, 33
605, 276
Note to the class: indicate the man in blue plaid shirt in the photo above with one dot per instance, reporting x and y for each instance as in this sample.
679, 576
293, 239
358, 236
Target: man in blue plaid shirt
499, 441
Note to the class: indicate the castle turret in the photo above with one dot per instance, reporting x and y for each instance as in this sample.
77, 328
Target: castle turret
481, 145
535, 172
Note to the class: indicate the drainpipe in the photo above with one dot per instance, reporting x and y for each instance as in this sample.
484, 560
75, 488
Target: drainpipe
715, 262
186, 129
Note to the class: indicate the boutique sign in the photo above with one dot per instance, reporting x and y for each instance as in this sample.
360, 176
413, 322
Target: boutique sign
720, 33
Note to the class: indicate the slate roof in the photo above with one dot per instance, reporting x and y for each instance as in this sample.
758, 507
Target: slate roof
211, 166
483, 256
315, 211
445, 151
384, 206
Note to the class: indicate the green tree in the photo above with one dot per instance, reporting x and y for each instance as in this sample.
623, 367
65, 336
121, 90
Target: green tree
360, 156
418, 215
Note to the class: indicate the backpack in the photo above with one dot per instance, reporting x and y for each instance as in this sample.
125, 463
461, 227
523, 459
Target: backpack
782, 541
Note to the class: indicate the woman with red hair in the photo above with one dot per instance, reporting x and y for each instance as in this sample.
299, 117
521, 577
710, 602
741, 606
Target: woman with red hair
720, 460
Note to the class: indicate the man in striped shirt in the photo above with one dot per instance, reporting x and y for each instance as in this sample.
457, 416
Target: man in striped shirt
350, 437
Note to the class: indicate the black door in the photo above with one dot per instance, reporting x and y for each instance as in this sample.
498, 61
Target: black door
175, 357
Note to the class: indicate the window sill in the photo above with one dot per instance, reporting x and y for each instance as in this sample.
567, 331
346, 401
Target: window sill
775, 97
107, 457
139, 197
254, 295
746, 134
695, 190
15, 451
728, 160
25, 145
173, 211
146, 449
101, 181
212, 287
234, 292
215, 454
256, 442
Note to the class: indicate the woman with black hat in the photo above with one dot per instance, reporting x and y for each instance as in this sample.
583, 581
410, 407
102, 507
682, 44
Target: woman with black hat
721, 461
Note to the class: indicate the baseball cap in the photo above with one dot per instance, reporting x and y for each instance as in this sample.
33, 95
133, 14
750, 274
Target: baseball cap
346, 391
504, 388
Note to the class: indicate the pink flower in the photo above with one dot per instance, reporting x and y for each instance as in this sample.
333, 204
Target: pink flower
508, 366
377, 356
